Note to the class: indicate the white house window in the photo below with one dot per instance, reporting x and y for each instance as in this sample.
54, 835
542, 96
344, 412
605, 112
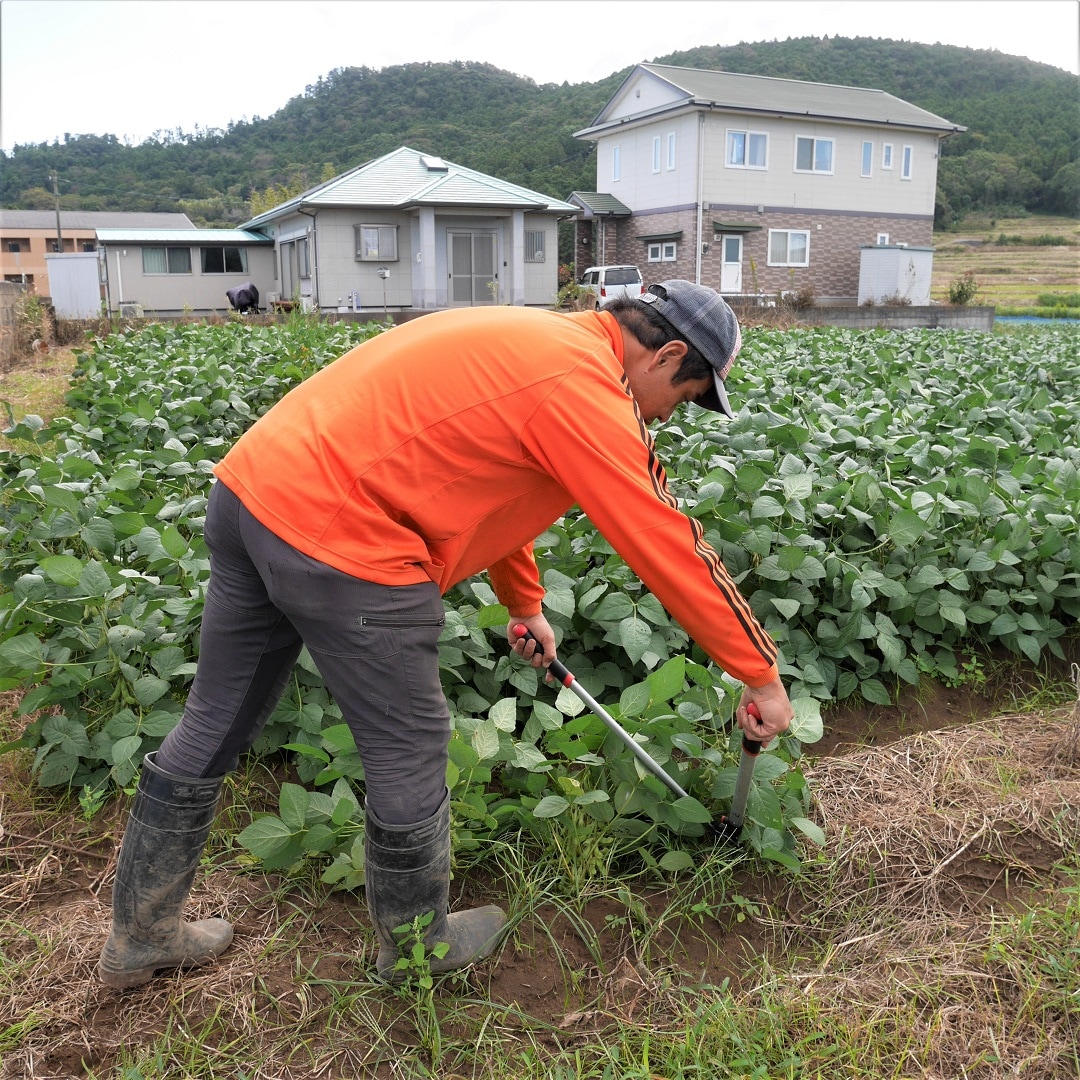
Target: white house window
534, 245
746, 149
813, 155
671, 150
867, 159
224, 260
789, 247
166, 260
656, 153
882, 239
303, 257
886, 156
376, 243
616, 163
662, 252
905, 163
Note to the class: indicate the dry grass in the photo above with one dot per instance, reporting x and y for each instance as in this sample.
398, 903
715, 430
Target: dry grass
938, 844
1009, 275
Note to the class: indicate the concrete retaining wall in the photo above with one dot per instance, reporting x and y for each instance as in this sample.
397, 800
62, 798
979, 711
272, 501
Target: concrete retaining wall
899, 318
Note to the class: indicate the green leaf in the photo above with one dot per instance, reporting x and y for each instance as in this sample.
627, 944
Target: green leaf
687, 808
267, 837
485, 741
550, 806
293, 802
320, 838
58, 768
148, 689
62, 569
125, 749
170, 662
635, 636
790, 558
763, 805
788, 608
906, 528
873, 690
173, 542
674, 861
492, 615
613, 608
634, 700
807, 725
529, 758
785, 858
809, 829
23, 654
668, 680
750, 479
94, 580
765, 506
503, 714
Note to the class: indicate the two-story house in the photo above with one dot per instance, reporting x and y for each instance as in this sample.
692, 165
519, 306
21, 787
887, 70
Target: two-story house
756, 186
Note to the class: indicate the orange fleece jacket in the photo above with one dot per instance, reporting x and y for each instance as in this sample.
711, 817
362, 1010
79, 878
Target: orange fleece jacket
444, 446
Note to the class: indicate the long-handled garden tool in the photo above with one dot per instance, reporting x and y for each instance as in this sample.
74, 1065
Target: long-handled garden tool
730, 825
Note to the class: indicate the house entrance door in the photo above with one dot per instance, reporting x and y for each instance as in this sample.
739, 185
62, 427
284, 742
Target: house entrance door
731, 265
473, 280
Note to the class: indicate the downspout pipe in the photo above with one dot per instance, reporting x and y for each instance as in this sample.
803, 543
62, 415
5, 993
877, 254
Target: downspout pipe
700, 195
314, 254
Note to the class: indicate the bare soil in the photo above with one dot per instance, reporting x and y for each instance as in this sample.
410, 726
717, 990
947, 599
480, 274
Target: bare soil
301, 968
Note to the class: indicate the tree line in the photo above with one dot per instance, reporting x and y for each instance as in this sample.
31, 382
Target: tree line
1019, 153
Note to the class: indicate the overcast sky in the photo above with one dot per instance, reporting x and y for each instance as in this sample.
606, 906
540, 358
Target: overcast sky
130, 68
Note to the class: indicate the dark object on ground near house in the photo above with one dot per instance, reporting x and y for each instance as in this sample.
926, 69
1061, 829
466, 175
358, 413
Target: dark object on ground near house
244, 298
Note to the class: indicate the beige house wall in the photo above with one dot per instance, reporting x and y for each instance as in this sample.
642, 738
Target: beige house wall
29, 264
178, 294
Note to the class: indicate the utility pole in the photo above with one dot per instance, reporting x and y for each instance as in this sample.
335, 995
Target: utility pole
55, 178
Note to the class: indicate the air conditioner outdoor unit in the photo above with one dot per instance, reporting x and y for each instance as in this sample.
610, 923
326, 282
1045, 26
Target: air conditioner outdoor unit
130, 311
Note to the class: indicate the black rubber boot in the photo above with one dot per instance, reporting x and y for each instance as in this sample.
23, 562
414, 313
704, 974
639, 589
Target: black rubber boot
166, 832
407, 874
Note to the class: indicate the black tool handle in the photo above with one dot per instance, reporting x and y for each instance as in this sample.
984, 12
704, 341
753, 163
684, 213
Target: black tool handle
750, 746
557, 667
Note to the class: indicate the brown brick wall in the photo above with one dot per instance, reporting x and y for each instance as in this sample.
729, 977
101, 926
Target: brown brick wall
835, 240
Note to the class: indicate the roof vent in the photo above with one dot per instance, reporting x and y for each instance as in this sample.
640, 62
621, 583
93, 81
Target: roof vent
433, 163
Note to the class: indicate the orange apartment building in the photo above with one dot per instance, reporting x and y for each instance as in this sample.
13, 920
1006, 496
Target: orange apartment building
27, 236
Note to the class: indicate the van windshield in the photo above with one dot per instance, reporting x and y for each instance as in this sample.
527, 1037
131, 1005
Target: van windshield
623, 277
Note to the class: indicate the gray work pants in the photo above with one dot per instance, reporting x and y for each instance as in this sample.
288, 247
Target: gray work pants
376, 647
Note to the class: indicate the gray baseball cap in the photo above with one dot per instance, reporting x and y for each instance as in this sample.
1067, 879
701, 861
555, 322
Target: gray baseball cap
702, 316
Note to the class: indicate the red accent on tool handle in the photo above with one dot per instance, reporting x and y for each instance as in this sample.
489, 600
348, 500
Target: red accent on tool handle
750, 746
557, 667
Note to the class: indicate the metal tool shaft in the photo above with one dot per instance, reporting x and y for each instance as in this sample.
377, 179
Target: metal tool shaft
567, 678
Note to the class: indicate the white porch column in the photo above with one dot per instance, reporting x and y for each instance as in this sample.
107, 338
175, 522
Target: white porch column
427, 256
513, 280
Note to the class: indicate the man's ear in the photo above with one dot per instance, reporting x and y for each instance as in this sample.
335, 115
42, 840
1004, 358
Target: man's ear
672, 353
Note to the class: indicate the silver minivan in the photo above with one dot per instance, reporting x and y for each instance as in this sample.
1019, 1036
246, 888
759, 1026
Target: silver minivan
607, 282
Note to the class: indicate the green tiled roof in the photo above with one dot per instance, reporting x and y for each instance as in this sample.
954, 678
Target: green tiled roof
600, 203
181, 236
408, 177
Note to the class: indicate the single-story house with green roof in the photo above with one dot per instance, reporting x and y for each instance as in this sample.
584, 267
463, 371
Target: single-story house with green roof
411, 232
171, 272
756, 185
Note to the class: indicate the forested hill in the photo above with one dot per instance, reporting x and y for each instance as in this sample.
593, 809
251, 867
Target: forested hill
1020, 150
